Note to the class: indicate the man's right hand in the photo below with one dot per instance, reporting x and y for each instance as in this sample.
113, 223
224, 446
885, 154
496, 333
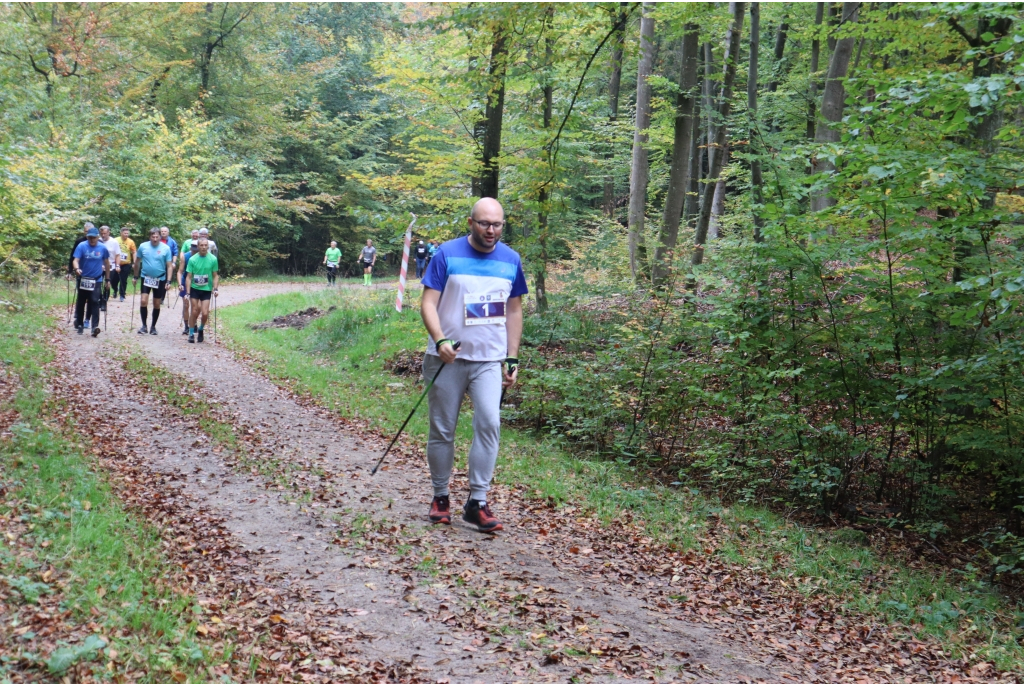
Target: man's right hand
447, 353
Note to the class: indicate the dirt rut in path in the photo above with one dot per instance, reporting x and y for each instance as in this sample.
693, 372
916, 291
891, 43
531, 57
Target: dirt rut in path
551, 598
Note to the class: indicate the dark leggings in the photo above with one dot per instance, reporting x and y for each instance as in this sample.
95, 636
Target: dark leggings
90, 299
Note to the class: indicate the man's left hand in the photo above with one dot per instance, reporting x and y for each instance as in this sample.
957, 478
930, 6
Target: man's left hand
510, 371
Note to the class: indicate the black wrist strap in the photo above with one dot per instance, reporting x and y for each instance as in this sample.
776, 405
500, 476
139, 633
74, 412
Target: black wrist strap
511, 364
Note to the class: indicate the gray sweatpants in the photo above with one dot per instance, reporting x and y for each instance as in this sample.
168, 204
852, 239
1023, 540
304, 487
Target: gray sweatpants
482, 382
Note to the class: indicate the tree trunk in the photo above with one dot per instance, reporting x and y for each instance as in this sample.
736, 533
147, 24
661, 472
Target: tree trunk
696, 161
540, 276
491, 148
479, 127
780, 51
708, 104
614, 84
682, 144
987, 125
718, 199
756, 181
832, 102
638, 169
731, 57
812, 96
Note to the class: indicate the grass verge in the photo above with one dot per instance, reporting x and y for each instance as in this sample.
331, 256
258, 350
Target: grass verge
73, 554
339, 360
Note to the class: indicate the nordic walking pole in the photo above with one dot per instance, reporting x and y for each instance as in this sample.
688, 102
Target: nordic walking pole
131, 313
214, 319
68, 279
455, 346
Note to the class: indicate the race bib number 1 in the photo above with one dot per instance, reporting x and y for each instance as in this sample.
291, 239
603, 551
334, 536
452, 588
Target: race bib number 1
486, 308
331, 265
150, 282
87, 284
198, 279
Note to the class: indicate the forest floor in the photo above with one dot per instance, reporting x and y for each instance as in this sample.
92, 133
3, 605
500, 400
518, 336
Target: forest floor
303, 567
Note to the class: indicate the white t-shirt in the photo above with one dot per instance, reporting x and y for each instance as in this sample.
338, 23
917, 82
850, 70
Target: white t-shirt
475, 288
114, 248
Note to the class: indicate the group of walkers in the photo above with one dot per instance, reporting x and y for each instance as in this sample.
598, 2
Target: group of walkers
423, 252
101, 266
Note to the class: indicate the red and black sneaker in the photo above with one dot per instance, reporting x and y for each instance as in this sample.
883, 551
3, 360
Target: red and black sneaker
441, 510
480, 516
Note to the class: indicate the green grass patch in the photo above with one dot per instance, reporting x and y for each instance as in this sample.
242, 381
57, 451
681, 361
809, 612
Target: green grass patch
108, 562
339, 359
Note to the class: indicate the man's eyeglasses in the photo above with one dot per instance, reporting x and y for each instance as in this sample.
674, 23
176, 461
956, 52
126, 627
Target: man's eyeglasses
496, 225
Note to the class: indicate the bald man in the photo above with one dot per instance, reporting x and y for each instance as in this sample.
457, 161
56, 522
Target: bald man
472, 293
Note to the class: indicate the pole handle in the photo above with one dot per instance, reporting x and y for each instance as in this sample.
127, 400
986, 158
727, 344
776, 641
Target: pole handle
455, 346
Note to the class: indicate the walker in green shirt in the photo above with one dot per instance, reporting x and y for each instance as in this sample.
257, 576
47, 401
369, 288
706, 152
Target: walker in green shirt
202, 269
333, 256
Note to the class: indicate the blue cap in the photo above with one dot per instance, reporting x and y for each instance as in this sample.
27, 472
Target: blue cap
92, 232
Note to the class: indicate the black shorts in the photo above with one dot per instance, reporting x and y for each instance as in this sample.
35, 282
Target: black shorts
367, 265
200, 295
158, 292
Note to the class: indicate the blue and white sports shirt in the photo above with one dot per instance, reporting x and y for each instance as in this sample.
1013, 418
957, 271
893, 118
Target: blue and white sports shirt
475, 287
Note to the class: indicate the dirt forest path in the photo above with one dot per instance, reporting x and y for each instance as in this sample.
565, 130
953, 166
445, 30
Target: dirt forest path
348, 566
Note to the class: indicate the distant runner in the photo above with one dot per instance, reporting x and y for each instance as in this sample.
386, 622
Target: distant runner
127, 249
153, 261
166, 239
193, 249
368, 257
422, 252
86, 227
187, 245
431, 251
114, 252
332, 258
91, 263
200, 284
472, 292
205, 233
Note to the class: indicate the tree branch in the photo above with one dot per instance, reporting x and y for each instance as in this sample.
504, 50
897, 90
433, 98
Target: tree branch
955, 25
552, 145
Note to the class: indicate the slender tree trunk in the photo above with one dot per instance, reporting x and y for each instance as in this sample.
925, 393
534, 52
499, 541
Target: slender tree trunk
614, 84
491, 148
696, 160
778, 54
812, 96
756, 181
679, 173
709, 105
732, 56
479, 128
718, 199
833, 22
638, 169
987, 125
832, 102
540, 276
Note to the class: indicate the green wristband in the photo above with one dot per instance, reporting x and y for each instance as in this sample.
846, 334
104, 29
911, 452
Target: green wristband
511, 364
442, 341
